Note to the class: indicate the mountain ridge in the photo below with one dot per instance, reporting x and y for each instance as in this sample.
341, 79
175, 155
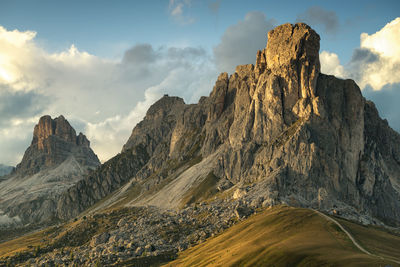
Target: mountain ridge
305, 137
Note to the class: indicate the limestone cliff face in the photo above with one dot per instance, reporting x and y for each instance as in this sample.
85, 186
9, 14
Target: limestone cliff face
280, 127
52, 143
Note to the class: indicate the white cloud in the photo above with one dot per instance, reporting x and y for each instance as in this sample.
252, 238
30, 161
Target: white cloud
177, 9
385, 44
386, 41
330, 64
78, 85
16, 37
376, 63
14, 44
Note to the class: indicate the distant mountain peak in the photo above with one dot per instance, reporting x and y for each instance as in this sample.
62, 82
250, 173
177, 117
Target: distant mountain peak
54, 140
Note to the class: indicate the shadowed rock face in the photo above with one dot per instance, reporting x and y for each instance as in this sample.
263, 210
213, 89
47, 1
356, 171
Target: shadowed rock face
280, 127
52, 143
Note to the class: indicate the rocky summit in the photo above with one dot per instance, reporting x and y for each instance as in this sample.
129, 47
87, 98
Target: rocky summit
278, 132
52, 143
56, 159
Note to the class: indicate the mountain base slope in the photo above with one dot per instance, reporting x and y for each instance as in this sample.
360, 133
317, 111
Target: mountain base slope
284, 236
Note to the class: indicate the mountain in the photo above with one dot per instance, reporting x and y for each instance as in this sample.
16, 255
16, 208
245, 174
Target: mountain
277, 150
4, 169
56, 159
278, 131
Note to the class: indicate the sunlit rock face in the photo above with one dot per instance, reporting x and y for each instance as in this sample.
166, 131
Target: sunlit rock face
54, 140
279, 128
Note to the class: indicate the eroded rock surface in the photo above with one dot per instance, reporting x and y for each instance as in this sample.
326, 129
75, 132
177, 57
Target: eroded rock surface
277, 132
292, 134
54, 140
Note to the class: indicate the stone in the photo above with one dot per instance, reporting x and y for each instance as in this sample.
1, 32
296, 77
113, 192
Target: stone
239, 193
139, 251
242, 212
99, 239
149, 248
121, 222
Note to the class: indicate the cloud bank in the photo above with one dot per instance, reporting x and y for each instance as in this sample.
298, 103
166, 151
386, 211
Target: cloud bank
106, 98
100, 97
375, 66
375, 63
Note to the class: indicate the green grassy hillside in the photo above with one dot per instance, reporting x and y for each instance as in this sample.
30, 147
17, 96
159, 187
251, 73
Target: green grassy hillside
285, 236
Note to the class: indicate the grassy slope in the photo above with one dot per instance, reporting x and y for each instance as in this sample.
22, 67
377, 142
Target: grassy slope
375, 240
282, 236
70, 234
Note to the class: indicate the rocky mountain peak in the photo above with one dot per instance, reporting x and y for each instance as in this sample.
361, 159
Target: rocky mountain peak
54, 140
292, 53
165, 104
278, 130
47, 127
291, 48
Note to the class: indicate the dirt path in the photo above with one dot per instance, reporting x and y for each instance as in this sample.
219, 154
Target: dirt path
352, 238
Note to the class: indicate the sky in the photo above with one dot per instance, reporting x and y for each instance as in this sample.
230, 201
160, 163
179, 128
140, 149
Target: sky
101, 64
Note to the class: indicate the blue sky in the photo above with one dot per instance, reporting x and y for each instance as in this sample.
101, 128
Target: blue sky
104, 28
103, 63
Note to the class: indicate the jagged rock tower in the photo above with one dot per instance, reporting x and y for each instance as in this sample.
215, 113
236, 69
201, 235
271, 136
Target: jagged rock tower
53, 142
56, 160
280, 129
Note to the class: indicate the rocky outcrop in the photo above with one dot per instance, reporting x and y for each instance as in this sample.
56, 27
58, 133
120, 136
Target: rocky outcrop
56, 160
52, 143
286, 132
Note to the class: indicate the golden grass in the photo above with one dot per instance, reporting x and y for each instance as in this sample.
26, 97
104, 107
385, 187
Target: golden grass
281, 236
374, 239
24, 243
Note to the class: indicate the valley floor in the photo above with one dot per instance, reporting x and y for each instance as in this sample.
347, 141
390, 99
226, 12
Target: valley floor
276, 236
